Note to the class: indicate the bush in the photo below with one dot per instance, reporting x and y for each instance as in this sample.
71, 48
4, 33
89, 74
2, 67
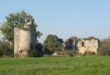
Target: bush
6, 49
104, 48
38, 52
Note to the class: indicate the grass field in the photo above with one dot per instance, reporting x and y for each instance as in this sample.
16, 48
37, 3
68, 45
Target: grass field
89, 65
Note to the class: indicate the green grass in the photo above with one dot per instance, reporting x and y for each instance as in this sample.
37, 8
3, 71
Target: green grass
89, 65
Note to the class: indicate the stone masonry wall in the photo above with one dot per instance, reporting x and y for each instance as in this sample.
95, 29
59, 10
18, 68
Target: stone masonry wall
88, 46
24, 40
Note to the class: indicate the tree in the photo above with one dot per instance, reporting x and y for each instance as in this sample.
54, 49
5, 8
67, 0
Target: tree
6, 48
15, 20
104, 48
53, 43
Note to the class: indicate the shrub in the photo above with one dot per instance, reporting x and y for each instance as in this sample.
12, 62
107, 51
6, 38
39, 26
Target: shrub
6, 49
38, 52
104, 48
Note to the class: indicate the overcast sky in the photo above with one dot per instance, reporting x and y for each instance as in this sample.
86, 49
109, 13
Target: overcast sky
65, 18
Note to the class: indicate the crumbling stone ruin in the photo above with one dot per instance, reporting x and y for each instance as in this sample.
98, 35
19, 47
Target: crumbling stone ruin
24, 39
88, 46
70, 44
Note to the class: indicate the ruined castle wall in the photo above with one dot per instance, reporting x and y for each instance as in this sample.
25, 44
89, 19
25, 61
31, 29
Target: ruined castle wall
88, 46
33, 39
16, 41
24, 40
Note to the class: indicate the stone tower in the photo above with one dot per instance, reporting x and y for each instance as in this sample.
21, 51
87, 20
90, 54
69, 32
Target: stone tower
24, 39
